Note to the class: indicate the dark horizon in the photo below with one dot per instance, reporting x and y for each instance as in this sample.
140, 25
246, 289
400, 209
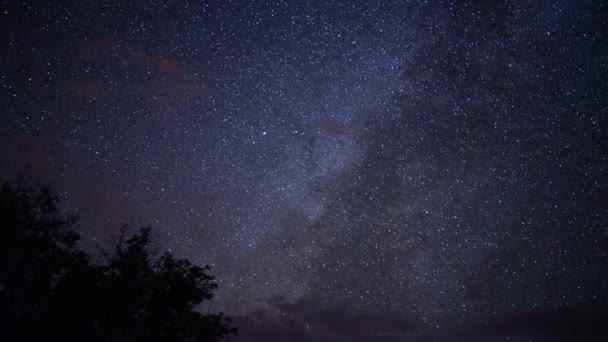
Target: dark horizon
352, 170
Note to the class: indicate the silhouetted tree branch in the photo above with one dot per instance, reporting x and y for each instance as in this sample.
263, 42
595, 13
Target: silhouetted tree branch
50, 290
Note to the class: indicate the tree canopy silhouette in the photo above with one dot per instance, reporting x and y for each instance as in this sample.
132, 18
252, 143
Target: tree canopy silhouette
50, 290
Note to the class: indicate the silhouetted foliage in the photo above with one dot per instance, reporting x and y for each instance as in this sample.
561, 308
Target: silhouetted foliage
49, 290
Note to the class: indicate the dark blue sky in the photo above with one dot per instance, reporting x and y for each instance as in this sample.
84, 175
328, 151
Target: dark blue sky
407, 165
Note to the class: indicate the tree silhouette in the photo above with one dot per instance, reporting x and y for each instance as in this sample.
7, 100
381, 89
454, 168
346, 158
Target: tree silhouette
49, 290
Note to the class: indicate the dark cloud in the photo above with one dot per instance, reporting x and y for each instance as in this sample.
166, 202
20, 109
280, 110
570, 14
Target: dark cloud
157, 75
105, 50
569, 323
305, 321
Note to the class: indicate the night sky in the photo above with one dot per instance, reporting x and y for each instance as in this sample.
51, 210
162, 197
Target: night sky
352, 170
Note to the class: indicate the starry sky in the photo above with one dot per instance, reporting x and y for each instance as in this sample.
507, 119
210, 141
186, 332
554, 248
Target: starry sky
352, 170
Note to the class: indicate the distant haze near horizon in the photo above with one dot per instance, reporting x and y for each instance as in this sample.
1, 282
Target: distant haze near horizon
354, 170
